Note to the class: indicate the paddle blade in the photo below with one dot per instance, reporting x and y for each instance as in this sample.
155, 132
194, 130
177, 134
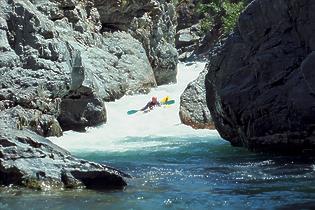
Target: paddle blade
169, 102
132, 112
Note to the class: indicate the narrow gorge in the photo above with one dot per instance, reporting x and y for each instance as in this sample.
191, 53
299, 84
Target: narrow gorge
238, 133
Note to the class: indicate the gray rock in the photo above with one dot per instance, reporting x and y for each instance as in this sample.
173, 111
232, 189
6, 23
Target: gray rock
187, 36
193, 106
153, 23
77, 73
260, 81
81, 108
41, 66
31, 161
59, 61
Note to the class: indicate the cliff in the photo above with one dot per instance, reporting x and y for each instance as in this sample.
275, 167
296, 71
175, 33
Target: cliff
259, 84
60, 61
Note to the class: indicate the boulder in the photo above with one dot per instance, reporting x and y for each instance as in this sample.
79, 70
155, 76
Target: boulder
188, 36
193, 106
260, 80
115, 63
29, 160
81, 108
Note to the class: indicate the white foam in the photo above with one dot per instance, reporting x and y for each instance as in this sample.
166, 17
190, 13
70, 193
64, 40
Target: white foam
161, 122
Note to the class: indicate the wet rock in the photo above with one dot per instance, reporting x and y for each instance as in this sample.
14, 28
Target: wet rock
43, 124
31, 161
193, 106
259, 84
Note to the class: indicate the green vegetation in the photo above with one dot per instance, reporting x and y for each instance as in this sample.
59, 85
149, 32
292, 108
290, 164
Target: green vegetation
232, 12
221, 14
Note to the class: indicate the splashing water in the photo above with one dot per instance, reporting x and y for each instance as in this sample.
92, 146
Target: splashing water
160, 122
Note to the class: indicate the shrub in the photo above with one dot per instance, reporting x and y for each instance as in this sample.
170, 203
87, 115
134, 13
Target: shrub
232, 12
219, 12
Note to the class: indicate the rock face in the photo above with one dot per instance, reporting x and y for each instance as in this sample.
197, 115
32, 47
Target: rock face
202, 23
193, 106
260, 82
39, 44
153, 23
186, 14
61, 59
28, 160
156, 29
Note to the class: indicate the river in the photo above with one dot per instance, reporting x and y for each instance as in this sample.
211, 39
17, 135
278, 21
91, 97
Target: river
174, 166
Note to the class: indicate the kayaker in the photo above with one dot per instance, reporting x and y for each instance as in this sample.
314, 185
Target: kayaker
151, 104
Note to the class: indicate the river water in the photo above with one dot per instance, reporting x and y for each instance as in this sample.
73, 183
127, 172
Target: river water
174, 166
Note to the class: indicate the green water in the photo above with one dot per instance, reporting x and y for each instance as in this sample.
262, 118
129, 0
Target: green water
186, 173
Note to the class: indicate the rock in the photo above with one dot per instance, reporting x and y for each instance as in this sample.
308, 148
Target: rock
44, 56
153, 23
19, 118
193, 106
81, 108
57, 62
210, 21
187, 36
187, 15
115, 63
118, 68
259, 85
31, 161
77, 73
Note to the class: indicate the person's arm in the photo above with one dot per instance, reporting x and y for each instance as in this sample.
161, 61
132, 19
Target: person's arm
145, 107
158, 103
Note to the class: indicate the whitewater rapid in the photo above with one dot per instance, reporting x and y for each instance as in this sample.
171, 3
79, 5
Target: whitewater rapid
114, 136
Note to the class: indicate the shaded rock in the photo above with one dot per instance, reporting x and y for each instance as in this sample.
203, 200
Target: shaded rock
259, 84
214, 20
186, 14
81, 108
193, 106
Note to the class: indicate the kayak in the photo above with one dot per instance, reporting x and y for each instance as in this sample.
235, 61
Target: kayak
164, 101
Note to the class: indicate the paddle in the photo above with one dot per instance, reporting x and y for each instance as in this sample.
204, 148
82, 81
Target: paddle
130, 112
